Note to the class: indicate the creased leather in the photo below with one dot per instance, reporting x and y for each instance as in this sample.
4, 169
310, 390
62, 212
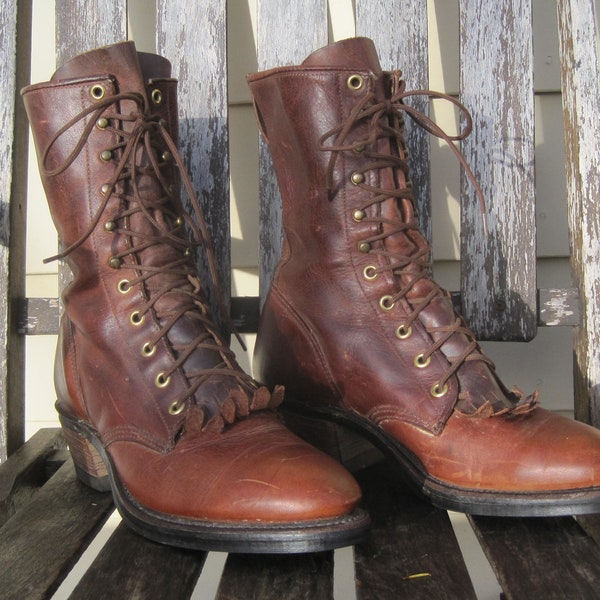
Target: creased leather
223, 454
323, 332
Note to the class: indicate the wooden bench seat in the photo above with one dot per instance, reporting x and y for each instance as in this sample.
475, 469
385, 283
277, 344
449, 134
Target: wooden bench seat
49, 519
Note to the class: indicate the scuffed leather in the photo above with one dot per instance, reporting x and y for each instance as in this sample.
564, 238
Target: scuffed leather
323, 333
226, 455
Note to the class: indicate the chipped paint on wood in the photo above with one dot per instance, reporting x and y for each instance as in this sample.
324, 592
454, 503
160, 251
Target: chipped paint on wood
193, 36
15, 33
581, 110
499, 271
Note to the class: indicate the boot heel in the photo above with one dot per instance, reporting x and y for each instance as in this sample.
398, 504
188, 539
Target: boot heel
341, 443
89, 465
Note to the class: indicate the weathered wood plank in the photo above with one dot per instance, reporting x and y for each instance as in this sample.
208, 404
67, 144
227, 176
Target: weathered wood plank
499, 271
193, 36
407, 50
40, 544
131, 567
558, 307
580, 92
412, 551
540, 558
24, 473
15, 33
83, 25
272, 577
278, 46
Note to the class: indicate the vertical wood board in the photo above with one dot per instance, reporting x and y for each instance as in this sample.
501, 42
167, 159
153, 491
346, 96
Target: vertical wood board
496, 80
406, 50
287, 33
15, 38
193, 36
581, 114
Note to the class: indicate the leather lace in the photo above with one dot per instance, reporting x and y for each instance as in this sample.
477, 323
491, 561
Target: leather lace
384, 119
147, 133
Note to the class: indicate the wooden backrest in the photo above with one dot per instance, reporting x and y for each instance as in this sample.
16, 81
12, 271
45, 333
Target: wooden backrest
499, 292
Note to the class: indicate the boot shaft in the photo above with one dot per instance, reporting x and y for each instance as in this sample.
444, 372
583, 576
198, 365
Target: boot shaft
81, 133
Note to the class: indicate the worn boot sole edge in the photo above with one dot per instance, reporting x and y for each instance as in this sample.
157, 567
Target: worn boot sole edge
221, 536
474, 501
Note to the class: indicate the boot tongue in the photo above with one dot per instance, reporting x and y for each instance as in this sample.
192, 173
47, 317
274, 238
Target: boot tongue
119, 60
358, 52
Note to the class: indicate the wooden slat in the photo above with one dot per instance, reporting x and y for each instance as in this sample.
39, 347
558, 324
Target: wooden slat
15, 33
26, 471
499, 271
131, 567
43, 540
407, 50
83, 25
280, 45
412, 551
540, 558
192, 35
273, 577
578, 36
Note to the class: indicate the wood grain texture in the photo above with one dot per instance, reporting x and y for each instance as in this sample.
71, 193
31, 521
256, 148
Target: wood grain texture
287, 33
131, 567
496, 80
581, 114
40, 544
274, 577
15, 33
540, 558
407, 50
412, 551
193, 36
83, 25
26, 471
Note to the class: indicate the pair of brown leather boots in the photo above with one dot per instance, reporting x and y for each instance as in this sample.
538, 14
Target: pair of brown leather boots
151, 399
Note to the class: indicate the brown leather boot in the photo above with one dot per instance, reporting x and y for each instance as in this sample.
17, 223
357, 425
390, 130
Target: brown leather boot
150, 397
358, 332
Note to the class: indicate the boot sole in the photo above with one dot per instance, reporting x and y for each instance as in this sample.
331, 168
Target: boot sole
340, 429
95, 468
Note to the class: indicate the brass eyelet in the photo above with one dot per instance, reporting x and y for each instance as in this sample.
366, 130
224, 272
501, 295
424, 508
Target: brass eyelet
421, 362
364, 247
438, 392
114, 262
162, 123
403, 332
156, 96
357, 178
105, 188
369, 273
102, 123
358, 215
106, 155
385, 303
355, 82
359, 148
123, 286
176, 408
110, 226
148, 349
166, 156
97, 92
162, 381
136, 318
178, 221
